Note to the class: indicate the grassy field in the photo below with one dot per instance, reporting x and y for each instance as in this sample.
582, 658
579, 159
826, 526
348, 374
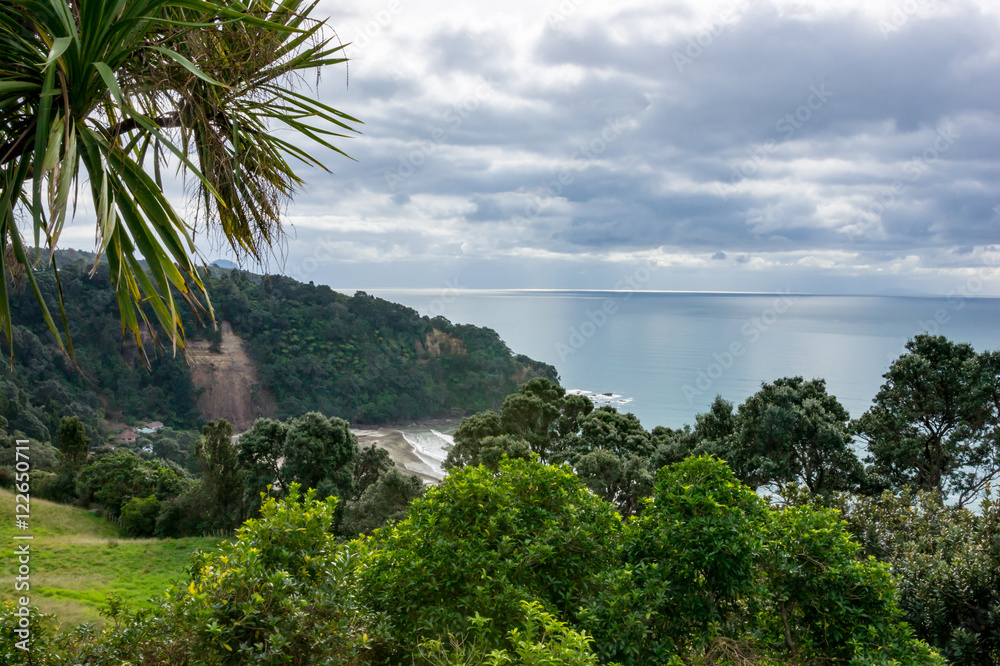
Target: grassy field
78, 558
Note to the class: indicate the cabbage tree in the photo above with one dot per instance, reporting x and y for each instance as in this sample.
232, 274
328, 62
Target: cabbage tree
96, 96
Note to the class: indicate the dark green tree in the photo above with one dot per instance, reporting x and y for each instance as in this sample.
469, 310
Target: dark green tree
533, 415
612, 453
468, 439
139, 515
372, 463
73, 442
714, 429
260, 451
177, 446
540, 414
319, 453
935, 423
220, 472
793, 431
382, 503
112, 480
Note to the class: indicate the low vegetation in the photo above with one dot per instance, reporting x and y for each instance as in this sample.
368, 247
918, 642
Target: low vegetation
79, 558
565, 534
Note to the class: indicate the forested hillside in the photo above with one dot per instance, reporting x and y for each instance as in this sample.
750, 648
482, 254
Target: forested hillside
360, 358
363, 358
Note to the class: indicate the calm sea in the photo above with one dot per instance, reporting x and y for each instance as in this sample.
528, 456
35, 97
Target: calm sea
664, 356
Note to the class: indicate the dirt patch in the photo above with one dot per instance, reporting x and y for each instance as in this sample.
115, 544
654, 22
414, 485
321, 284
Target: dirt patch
229, 381
438, 342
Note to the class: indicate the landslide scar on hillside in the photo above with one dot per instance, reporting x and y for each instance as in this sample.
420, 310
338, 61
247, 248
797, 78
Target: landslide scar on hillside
229, 381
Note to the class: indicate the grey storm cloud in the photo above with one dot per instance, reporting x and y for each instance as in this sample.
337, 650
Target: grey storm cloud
787, 134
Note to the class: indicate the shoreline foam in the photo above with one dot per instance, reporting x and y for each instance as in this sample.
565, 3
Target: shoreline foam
419, 449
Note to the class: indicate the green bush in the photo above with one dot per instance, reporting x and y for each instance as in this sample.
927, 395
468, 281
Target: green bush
947, 566
384, 502
543, 641
60, 487
710, 573
138, 517
185, 515
483, 542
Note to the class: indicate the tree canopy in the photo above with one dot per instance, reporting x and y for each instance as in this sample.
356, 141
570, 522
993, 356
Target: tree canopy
793, 431
935, 423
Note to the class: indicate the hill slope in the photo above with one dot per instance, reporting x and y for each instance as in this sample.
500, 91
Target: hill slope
227, 381
282, 348
77, 560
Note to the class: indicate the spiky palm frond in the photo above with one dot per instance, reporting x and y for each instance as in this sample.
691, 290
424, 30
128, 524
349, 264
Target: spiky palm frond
107, 91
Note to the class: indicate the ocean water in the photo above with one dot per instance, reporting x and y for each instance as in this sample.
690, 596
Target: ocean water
430, 445
664, 356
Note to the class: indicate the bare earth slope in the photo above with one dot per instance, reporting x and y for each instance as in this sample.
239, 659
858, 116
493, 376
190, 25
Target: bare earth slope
229, 380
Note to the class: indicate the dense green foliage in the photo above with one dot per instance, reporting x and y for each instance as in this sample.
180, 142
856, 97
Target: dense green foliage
947, 564
221, 475
313, 451
229, 478
115, 478
793, 431
360, 358
384, 502
544, 641
710, 573
363, 358
482, 542
935, 423
522, 565
610, 451
138, 516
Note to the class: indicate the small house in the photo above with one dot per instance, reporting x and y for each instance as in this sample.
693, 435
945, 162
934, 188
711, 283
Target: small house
127, 436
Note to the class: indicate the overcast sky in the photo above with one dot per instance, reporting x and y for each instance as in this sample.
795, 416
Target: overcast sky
830, 147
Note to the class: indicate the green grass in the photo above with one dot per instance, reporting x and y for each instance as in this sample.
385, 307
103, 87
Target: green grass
78, 558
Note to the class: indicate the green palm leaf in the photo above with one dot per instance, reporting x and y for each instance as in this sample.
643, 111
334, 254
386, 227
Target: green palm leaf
99, 92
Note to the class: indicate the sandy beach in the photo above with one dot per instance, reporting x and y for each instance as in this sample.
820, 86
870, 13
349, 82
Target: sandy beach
392, 439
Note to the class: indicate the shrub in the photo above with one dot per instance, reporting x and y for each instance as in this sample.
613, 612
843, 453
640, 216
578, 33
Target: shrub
947, 565
139, 515
711, 573
384, 502
185, 515
482, 542
544, 641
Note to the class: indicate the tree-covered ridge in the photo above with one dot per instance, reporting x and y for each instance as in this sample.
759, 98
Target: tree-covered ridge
363, 358
105, 378
360, 358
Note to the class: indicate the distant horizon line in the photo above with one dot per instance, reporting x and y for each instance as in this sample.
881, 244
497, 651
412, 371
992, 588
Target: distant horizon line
464, 290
